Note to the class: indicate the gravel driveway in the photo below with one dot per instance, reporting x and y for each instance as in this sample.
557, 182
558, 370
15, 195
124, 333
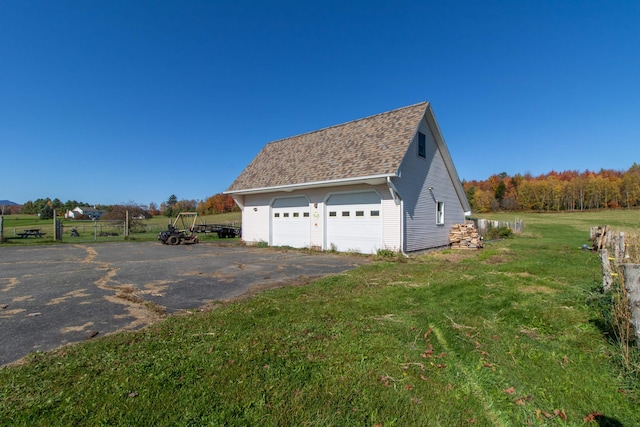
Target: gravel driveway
59, 294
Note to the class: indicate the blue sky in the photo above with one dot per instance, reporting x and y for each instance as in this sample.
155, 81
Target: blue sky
131, 101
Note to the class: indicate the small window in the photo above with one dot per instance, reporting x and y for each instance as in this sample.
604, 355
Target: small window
305, 214
332, 214
422, 145
296, 214
359, 213
276, 215
345, 213
439, 212
375, 213
286, 214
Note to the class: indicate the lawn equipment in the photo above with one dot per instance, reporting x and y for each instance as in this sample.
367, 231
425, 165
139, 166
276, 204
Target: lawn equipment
175, 236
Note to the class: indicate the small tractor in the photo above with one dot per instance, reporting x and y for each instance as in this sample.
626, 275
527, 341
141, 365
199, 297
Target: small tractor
184, 235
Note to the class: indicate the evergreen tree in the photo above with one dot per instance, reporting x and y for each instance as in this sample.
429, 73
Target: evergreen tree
171, 204
46, 212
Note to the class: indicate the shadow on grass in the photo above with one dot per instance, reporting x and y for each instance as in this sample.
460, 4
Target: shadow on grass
604, 421
602, 303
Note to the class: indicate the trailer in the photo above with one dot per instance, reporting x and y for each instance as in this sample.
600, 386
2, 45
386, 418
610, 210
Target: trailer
222, 230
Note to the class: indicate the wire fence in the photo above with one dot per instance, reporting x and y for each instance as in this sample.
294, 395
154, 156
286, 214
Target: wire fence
485, 225
30, 231
92, 231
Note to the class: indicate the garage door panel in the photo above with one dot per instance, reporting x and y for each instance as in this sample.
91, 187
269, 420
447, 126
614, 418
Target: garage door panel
290, 222
354, 222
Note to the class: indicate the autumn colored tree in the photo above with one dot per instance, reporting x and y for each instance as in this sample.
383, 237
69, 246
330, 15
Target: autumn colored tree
153, 209
630, 190
184, 206
632, 184
566, 190
217, 204
119, 212
482, 201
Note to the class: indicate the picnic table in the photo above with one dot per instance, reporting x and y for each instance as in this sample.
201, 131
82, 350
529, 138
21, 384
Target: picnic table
35, 232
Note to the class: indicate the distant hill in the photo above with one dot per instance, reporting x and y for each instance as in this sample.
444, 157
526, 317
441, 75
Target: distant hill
7, 203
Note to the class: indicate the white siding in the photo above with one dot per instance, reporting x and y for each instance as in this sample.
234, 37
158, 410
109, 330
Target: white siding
392, 226
316, 206
417, 176
255, 218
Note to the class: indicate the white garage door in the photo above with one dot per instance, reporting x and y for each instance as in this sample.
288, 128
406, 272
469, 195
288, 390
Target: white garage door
290, 223
354, 222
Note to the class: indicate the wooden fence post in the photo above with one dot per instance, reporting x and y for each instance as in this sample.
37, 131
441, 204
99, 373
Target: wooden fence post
614, 246
620, 249
607, 278
632, 285
602, 239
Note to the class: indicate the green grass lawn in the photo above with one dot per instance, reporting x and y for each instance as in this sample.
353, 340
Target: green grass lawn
505, 336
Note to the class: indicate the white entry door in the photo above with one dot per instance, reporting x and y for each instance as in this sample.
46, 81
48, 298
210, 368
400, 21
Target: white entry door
290, 222
354, 222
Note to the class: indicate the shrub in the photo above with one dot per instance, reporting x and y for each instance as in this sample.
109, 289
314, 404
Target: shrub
501, 232
389, 255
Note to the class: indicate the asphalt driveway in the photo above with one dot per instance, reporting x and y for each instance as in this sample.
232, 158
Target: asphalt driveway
55, 295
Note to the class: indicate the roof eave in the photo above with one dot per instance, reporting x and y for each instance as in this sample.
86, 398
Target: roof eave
370, 180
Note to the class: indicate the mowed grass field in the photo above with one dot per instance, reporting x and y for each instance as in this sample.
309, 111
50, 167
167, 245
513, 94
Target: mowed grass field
511, 335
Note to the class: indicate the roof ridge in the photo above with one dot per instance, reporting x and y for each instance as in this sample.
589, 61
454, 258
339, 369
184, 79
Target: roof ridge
349, 122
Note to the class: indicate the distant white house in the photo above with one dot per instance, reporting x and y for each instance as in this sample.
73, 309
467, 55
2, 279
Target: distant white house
79, 211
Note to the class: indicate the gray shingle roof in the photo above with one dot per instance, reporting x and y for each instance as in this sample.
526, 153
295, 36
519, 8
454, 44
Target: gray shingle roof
362, 148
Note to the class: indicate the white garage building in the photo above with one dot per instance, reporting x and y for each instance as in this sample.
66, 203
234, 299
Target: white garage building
382, 182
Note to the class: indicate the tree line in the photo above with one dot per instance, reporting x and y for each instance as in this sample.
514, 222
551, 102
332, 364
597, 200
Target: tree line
213, 205
44, 207
556, 191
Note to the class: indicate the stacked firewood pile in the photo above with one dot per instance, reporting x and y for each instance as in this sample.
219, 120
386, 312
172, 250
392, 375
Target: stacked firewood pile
465, 236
